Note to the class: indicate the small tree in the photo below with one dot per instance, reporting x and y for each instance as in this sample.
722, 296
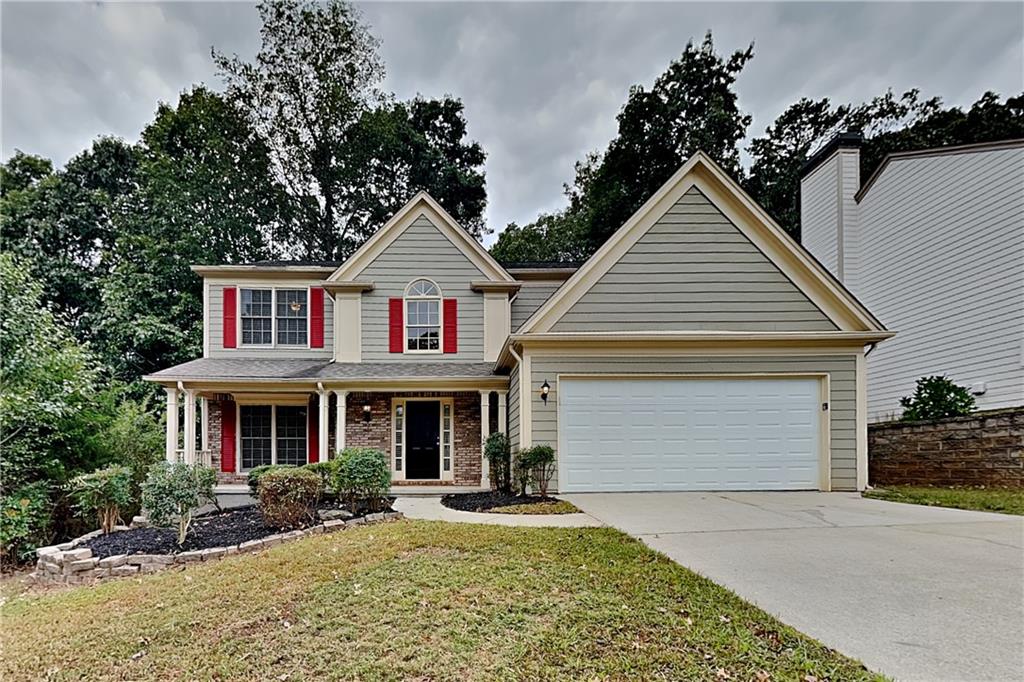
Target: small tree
936, 397
104, 492
499, 457
521, 474
541, 462
363, 474
173, 492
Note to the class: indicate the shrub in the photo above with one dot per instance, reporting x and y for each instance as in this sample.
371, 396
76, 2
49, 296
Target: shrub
24, 519
936, 398
539, 461
256, 473
288, 497
499, 457
363, 475
172, 493
135, 439
105, 493
327, 471
521, 471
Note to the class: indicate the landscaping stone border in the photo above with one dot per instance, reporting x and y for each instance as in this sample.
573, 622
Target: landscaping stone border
70, 564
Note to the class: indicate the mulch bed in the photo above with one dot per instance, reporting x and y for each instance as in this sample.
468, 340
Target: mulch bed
217, 529
485, 502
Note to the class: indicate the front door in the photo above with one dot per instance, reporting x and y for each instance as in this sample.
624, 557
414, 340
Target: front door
423, 439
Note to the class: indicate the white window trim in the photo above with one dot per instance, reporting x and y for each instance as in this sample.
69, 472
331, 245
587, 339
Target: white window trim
445, 475
273, 318
405, 318
239, 402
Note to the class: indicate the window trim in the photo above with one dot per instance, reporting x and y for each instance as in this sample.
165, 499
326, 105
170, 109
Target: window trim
439, 297
273, 318
253, 401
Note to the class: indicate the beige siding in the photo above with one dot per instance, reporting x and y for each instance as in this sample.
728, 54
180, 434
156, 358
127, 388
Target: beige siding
841, 370
943, 264
513, 409
531, 296
421, 251
215, 315
694, 269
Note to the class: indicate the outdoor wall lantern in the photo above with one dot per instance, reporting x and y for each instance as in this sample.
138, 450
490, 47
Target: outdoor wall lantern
544, 390
366, 412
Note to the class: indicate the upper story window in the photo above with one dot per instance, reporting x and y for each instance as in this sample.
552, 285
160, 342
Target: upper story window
423, 317
270, 313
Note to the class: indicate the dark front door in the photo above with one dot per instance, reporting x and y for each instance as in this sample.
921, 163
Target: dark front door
423, 439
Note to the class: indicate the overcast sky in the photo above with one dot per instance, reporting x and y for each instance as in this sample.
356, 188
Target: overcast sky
542, 83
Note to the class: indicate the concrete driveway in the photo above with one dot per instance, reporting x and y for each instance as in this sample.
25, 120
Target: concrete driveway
918, 593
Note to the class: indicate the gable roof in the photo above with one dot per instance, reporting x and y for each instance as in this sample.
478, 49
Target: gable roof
421, 205
817, 283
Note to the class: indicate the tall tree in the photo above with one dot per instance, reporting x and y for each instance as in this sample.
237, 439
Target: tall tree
347, 155
551, 238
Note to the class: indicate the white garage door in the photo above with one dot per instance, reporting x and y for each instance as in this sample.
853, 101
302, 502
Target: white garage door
688, 434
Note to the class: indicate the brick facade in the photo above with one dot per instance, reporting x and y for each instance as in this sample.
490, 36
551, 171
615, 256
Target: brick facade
983, 449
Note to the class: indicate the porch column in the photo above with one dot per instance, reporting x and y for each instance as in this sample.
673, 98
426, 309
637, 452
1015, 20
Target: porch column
172, 423
204, 424
339, 422
503, 411
485, 466
190, 427
322, 422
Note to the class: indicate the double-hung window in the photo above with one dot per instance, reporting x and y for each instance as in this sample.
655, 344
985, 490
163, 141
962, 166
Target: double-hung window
292, 312
257, 322
423, 317
274, 316
272, 434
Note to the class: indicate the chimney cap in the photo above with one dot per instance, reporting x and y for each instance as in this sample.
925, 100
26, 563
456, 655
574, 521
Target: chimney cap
851, 139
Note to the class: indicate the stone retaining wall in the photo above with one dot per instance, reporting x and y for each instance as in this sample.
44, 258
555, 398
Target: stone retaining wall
982, 449
71, 564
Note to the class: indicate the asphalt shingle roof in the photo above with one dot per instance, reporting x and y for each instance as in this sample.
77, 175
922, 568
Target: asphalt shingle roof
315, 369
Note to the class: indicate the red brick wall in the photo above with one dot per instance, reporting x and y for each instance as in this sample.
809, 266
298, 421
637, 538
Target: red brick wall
983, 449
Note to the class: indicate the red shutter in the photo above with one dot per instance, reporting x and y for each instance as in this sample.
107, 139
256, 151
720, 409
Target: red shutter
396, 342
451, 325
230, 316
316, 317
313, 432
227, 436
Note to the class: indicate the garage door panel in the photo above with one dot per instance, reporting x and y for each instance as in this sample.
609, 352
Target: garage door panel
688, 434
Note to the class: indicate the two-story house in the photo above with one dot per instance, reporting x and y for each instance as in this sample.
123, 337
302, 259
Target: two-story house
699, 349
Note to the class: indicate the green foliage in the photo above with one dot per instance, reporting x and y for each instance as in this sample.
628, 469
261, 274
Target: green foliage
555, 237
24, 520
288, 497
135, 439
537, 465
256, 474
327, 471
172, 493
105, 493
499, 458
521, 474
363, 476
936, 397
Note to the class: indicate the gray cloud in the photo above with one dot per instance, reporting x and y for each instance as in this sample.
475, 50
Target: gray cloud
542, 83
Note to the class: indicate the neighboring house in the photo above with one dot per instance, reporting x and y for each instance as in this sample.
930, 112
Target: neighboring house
699, 349
932, 243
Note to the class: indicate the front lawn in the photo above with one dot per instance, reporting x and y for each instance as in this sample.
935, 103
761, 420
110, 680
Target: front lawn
546, 506
979, 499
415, 600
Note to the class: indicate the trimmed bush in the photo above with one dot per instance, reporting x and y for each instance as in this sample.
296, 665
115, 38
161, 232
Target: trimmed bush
936, 398
172, 493
363, 476
521, 472
24, 519
105, 493
288, 496
499, 457
327, 471
253, 478
539, 461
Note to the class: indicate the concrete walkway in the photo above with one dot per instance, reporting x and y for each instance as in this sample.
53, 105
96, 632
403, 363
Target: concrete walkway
917, 593
430, 508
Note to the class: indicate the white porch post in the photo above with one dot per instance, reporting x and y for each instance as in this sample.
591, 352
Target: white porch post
503, 411
172, 424
204, 423
339, 422
322, 422
485, 466
190, 427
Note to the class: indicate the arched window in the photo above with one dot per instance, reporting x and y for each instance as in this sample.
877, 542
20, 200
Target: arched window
423, 317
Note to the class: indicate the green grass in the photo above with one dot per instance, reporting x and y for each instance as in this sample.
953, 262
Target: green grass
556, 507
979, 499
415, 600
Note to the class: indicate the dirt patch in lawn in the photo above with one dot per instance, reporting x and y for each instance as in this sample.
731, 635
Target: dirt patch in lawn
501, 503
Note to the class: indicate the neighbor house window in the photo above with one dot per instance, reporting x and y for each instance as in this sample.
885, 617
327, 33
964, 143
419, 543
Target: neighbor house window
257, 320
257, 435
272, 434
423, 316
291, 317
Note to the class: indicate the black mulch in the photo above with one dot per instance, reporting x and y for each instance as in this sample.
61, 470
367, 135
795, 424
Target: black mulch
484, 502
217, 529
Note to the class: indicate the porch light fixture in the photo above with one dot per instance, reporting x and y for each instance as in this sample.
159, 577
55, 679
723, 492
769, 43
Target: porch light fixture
366, 412
295, 306
544, 390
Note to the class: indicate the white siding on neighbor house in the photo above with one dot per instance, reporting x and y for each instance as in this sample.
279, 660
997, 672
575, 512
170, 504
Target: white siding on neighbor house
215, 316
531, 296
942, 263
421, 251
819, 202
693, 269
